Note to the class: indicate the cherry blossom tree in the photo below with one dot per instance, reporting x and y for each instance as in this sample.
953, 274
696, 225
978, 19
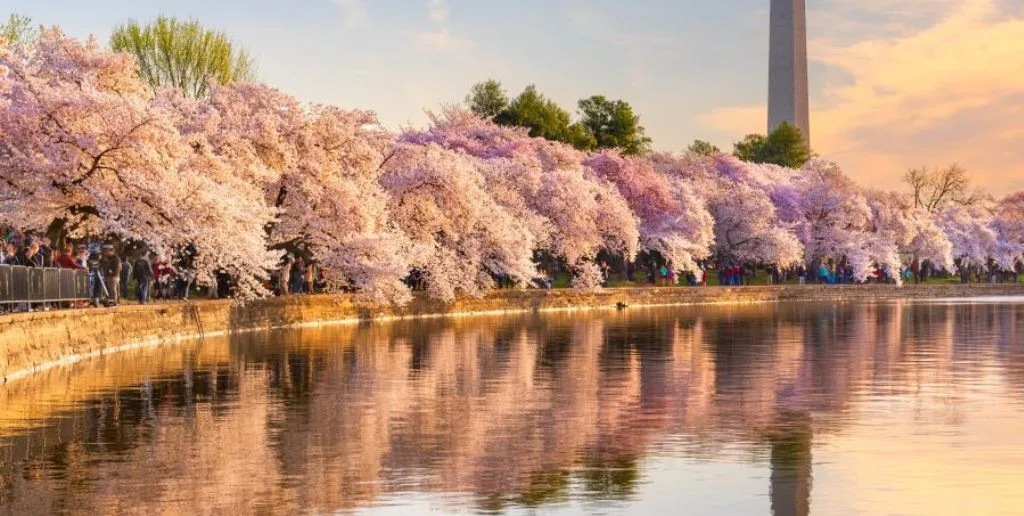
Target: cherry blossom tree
587, 216
338, 206
1008, 224
835, 221
85, 145
461, 237
588, 278
317, 168
913, 231
570, 212
673, 220
970, 233
78, 133
457, 128
748, 227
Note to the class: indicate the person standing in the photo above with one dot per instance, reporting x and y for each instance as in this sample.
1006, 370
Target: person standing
309, 277
45, 253
110, 268
285, 274
28, 256
163, 274
66, 258
823, 273
298, 275
8, 254
82, 256
184, 270
142, 273
126, 277
97, 290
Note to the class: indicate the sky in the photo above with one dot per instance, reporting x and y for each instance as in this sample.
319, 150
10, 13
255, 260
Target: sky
894, 83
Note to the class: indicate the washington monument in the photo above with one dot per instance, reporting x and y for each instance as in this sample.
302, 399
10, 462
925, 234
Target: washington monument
787, 67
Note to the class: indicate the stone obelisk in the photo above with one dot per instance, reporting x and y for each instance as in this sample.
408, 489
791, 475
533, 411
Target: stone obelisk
787, 67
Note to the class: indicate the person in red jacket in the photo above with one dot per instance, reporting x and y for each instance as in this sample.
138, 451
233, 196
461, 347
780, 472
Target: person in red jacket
65, 259
163, 274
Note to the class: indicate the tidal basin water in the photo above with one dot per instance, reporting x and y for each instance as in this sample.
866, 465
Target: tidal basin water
804, 408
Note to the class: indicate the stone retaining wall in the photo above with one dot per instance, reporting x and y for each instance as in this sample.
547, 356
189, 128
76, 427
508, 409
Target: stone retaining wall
34, 341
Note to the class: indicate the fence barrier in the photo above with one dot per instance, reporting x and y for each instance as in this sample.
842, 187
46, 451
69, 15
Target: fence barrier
42, 285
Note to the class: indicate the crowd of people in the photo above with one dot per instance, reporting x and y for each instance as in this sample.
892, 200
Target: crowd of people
296, 275
138, 274
652, 271
112, 276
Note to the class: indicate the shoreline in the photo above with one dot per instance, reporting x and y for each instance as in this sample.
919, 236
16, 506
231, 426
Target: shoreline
34, 342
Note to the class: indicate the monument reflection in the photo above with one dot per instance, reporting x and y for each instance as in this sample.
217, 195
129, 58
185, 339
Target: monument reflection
562, 411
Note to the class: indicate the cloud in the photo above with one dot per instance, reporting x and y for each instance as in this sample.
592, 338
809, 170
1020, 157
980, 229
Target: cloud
855, 20
440, 39
354, 13
644, 53
437, 11
949, 92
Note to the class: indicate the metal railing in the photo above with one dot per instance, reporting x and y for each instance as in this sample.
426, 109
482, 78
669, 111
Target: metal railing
42, 285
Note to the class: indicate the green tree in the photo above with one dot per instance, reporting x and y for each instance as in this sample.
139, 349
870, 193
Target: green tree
604, 123
18, 31
544, 119
579, 137
613, 124
750, 148
183, 54
703, 148
784, 146
487, 99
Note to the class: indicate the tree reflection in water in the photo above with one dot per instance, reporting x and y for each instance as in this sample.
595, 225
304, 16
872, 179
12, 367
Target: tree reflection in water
515, 411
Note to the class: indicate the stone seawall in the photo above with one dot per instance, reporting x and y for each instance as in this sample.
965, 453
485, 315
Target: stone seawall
35, 341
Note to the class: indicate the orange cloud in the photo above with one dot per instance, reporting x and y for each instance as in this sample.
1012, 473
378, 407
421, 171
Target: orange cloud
953, 92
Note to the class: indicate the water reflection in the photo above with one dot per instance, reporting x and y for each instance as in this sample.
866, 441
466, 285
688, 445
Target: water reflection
581, 413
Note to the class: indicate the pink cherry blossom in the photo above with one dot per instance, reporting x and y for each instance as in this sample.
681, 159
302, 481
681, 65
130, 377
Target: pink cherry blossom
914, 232
568, 211
317, 167
1008, 224
588, 278
834, 221
85, 144
970, 233
674, 221
460, 236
